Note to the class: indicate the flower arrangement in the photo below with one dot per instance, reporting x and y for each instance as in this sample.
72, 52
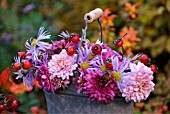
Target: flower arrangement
95, 69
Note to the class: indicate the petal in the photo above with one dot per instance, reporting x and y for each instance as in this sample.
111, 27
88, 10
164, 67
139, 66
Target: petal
115, 63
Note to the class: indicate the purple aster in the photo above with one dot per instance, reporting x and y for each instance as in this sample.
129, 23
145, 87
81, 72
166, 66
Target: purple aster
19, 73
86, 59
104, 56
27, 80
35, 45
119, 74
65, 35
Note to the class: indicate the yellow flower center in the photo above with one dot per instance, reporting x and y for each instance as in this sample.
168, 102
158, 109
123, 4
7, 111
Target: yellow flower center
87, 41
117, 76
91, 56
103, 68
34, 42
84, 65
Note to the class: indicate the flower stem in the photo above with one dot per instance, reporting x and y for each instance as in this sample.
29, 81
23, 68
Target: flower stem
101, 30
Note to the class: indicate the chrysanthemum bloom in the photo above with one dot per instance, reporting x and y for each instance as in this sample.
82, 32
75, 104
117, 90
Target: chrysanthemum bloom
57, 46
78, 82
97, 87
43, 78
143, 84
62, 65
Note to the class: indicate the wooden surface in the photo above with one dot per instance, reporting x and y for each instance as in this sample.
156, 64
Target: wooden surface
93, 15
69, 102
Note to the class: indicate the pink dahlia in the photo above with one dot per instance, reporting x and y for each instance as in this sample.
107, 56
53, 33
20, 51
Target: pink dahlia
99, 88
62, 65
44, 77
143, 85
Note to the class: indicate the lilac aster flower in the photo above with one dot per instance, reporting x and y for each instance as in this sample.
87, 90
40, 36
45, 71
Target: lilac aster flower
104, 56
97, 87
121, 77
65, 35
86, 59
35, 45
19, 73
99, 64
84, 56
27, 80
143, 84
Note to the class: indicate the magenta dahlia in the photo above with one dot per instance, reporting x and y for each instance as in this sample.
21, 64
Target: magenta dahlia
99, 88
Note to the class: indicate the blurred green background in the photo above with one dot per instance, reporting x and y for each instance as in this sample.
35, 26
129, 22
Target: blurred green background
146, 20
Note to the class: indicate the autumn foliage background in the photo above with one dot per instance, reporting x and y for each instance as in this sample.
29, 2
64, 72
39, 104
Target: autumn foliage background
146, 23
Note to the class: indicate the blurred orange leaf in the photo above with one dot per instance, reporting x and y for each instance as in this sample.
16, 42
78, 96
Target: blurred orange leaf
107, 18
19, 88
5, 81
131, 8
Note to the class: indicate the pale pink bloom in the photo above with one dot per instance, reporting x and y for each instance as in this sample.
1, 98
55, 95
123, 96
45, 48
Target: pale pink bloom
62, 65
143, 85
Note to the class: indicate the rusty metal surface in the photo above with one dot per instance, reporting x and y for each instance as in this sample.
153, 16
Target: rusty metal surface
69, 102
